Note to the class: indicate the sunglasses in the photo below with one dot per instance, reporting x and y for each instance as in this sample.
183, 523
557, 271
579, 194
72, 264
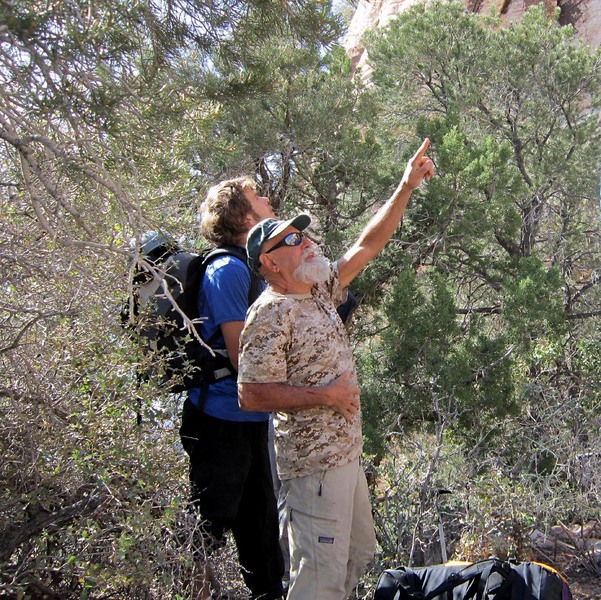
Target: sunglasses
292, 239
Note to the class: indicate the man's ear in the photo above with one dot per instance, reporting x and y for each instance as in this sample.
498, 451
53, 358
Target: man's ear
251, 220
268, 263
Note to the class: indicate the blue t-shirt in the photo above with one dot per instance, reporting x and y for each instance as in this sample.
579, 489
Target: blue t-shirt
223, 297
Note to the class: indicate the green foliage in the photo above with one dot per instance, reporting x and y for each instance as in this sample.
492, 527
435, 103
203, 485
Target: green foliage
533, 302
488, 323
304, 136
499, 225
439, 370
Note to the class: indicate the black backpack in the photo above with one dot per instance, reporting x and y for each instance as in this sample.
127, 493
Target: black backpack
490, 579
175, 355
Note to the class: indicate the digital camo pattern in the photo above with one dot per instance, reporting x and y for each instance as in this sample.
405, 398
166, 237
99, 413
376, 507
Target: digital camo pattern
300, 340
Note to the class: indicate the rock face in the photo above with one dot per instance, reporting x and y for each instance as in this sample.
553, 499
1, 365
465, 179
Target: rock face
369, 15
584, 15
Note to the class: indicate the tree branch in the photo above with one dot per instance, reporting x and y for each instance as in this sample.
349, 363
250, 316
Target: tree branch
12, 537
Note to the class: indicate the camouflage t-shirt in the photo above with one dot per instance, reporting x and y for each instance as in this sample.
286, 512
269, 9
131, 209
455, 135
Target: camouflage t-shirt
299, 339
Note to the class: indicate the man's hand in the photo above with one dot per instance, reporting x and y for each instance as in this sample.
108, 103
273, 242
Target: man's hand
342, 396
420, 167
382, 225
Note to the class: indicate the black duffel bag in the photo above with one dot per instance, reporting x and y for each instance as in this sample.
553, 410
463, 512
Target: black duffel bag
491, 579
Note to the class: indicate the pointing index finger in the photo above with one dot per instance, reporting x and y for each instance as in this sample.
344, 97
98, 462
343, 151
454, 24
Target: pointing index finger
422, 149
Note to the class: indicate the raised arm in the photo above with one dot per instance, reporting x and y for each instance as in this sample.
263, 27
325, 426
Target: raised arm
382, 225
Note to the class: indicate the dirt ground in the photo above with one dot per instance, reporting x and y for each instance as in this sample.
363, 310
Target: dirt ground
584, 585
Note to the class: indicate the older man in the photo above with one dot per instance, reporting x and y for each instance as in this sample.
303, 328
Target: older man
296, 361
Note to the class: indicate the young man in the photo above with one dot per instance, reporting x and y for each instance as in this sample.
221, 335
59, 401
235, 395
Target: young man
296, 360
230, 477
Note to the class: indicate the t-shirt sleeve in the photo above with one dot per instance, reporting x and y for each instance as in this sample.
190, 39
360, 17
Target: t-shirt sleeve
262, 347
226, 285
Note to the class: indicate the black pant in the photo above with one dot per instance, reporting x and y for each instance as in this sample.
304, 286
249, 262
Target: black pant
232, 489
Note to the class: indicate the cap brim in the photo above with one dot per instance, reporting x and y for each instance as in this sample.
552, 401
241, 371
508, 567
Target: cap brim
300, 222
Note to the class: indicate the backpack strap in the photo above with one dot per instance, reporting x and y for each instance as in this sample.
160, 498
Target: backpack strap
239, 253
196, 271
399, 584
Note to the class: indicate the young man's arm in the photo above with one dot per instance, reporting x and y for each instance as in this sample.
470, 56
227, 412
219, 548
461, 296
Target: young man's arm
340, 395
231, 334
382, 225
226, 293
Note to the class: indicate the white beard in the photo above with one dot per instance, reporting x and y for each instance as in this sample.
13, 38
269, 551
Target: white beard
317, 270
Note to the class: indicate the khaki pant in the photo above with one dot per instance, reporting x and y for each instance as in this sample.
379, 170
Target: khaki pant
331, 532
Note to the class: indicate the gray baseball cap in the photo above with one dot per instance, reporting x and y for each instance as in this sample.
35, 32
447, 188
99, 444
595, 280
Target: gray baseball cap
267, 230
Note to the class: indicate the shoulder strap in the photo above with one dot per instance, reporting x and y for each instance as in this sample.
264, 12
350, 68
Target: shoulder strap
239, 253
195, 273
